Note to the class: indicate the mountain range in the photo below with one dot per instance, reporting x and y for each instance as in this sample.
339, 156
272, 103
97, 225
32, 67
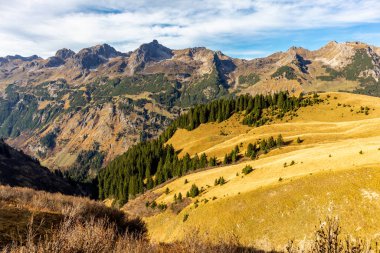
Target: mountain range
78, 111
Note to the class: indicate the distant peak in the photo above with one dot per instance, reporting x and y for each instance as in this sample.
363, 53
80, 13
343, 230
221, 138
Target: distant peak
91, 57
64, 53
153, 44
19, 57
149, 52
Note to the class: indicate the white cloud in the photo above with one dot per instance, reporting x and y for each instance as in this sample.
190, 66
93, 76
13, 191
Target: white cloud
43, 26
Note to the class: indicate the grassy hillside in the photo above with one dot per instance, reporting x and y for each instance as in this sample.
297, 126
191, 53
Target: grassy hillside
332, 169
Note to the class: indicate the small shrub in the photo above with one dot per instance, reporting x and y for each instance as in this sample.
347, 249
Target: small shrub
162, 206
247, 169
185, 217
194, 191
153, 205
361, 152
280, 179
220, 181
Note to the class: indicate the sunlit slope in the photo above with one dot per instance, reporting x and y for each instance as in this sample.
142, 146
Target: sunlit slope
336, 170
336, 118
271, 215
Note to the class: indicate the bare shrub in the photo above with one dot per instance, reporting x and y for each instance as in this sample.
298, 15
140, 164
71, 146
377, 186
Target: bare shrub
328, 239
78, 208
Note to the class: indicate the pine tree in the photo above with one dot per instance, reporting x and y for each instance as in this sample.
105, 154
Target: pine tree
132, 187
212, 161
180, 197
203, 161
226, 160
194, 191
263, 145
280, 141
250, 150
271, 142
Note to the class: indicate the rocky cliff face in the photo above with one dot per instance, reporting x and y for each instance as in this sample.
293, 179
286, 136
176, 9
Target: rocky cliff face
103, 98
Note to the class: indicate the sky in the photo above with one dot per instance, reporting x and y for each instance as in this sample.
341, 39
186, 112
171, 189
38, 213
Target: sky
239, 28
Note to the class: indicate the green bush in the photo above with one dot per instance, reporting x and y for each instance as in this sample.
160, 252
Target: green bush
220, 181
194, 191
48, 140
247, 169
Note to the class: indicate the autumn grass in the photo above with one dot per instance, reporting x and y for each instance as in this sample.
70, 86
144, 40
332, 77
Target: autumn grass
19, 205
269, 216
327, 174
37, 221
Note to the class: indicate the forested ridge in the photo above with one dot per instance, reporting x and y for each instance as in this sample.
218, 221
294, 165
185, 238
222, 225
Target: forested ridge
151, 163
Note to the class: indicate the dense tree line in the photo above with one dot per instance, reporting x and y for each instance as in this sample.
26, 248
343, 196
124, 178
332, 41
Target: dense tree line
150, 163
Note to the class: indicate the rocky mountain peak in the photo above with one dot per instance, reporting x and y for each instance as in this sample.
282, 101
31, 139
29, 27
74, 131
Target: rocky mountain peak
64, 53
149, 52
94, 56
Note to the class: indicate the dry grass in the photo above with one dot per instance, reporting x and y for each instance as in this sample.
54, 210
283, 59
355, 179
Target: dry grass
100, 236
19, 205
329, 173
78, 207
45, 222
268, 216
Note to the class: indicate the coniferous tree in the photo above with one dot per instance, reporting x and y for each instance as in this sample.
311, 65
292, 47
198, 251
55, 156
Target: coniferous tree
180, 197
194, 191
250, 150
279, 141
226, 159
212, 161
271, 142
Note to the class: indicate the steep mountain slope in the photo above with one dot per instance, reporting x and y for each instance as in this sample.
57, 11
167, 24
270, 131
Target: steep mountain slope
18, 169
328, 166
96, 103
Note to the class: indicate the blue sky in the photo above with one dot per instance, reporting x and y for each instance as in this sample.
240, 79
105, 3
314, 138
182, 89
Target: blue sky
239, 28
